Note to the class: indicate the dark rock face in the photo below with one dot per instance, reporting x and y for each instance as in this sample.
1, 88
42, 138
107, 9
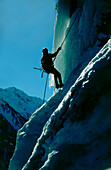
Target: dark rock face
8, 133
7, 142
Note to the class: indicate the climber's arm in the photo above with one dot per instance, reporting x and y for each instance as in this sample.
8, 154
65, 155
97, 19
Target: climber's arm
55, 54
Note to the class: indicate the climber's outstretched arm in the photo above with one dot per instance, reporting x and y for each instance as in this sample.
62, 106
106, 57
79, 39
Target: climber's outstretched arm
55, 54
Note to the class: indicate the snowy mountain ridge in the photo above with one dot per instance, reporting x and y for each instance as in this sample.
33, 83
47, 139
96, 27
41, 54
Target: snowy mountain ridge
17, 106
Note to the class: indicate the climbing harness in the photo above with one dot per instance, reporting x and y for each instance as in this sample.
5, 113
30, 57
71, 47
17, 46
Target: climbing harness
40, 69
78, 13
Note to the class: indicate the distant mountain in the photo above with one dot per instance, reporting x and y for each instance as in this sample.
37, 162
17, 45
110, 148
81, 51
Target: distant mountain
15, 109
16, 106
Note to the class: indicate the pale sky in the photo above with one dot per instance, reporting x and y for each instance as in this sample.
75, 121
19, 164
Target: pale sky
26, 26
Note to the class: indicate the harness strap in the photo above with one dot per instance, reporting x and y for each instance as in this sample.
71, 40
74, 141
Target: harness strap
42, 73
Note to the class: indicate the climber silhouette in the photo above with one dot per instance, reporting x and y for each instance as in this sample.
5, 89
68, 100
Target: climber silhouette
48, 66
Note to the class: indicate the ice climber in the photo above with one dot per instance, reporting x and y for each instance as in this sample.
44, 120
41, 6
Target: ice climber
48, 66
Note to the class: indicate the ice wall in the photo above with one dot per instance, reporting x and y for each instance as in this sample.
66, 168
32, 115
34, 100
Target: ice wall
82, 35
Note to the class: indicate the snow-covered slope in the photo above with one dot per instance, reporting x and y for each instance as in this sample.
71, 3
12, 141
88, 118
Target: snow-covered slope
16, 106
77, 131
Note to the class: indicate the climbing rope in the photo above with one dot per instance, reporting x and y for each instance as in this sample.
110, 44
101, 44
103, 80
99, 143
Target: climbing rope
45, 88
78, 13
80, 10
41, 69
